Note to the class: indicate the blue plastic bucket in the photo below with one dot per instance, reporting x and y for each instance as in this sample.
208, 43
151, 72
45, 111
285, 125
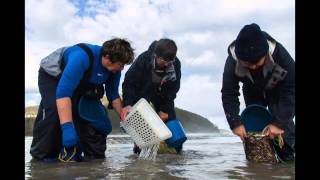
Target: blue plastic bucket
255, 118
178, 134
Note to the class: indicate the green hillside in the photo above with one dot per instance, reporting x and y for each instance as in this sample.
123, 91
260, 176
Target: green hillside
191, 122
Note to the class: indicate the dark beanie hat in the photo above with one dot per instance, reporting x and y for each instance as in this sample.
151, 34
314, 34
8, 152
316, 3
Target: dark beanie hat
251, 44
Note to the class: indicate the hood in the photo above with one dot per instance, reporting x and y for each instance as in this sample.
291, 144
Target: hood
241, 71
152, 46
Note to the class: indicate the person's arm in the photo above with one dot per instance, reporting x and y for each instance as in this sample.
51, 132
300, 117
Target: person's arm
230, 94
117, 105
240, 131
70, 78
284, 106
69, 134
112, 92
64, 109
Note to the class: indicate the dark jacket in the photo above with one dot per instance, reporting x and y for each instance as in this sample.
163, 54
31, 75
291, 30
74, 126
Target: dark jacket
138, 84
260, 88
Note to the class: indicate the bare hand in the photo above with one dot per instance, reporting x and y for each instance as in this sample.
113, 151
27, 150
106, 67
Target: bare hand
125, 112
240, 131
273, 131
164, 116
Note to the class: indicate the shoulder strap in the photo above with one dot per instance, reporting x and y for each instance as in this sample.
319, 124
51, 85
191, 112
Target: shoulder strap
91, 59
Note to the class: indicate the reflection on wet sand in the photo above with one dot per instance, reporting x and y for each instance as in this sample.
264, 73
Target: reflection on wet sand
205, 156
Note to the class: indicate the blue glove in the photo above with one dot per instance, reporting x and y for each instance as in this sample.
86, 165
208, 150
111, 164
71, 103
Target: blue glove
69, 135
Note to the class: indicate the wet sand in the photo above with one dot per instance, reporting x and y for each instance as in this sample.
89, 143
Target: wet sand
205, 156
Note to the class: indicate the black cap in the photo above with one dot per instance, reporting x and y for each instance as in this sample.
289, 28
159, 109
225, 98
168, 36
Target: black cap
251, 44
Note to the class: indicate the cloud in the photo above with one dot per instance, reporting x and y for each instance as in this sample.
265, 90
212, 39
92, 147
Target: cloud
202, 29
188, 15
201, 94
45, 19
206, 59
197, 94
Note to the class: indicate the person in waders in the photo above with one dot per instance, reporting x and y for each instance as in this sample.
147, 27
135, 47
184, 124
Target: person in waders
71, 119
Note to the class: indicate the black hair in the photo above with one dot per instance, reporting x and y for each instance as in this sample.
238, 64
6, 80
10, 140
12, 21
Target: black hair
166, 49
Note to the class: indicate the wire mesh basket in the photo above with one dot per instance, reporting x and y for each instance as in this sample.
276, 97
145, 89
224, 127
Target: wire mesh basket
258, 148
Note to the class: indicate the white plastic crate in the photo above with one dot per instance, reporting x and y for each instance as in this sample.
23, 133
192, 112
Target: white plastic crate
144, 125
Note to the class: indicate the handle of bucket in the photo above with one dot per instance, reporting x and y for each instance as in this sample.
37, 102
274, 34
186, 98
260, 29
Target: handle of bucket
264, 130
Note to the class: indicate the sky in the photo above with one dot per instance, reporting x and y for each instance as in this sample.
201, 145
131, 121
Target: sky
202, 30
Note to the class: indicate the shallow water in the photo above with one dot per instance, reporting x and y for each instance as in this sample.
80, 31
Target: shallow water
205, 156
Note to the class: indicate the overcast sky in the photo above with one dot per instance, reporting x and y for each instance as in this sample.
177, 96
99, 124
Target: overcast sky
202, 30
